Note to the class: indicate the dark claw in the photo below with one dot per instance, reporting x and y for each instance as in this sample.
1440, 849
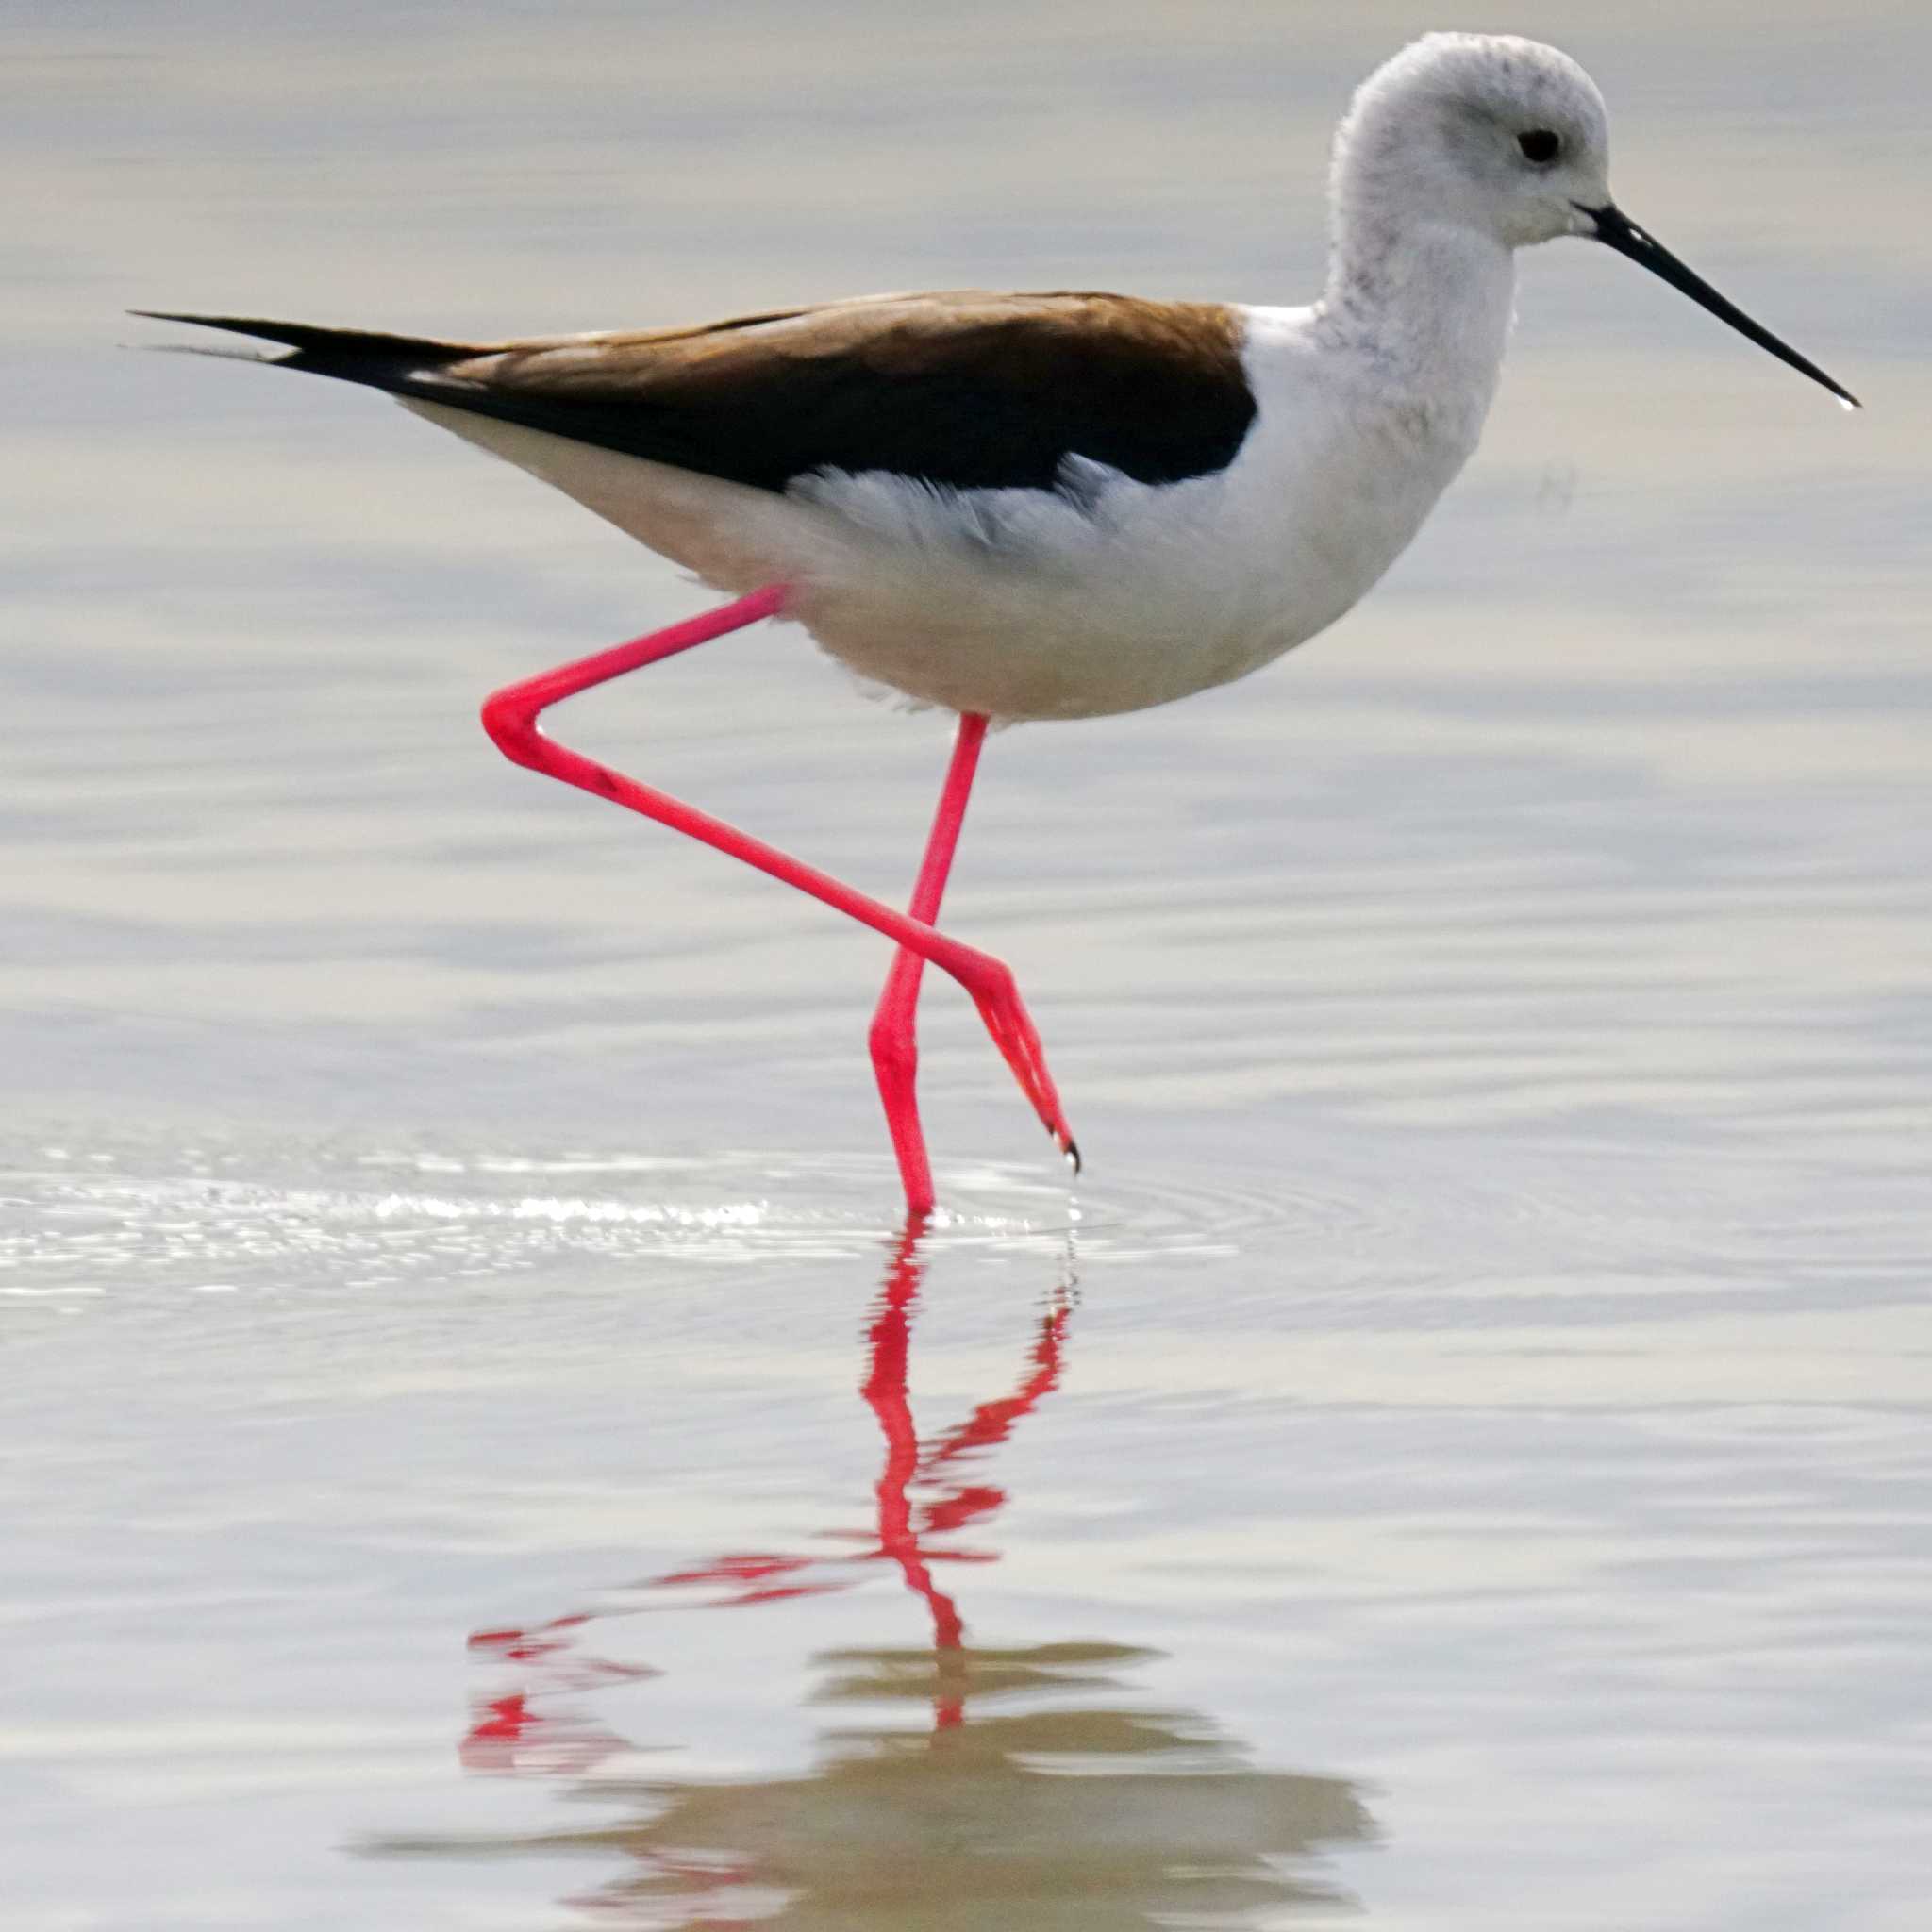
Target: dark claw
1073, 1152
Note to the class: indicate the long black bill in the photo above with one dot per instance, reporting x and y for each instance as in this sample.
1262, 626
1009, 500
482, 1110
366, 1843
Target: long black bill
1620, 233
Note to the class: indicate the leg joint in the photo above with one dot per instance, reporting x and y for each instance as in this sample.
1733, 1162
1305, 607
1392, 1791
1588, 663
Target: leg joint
511, 722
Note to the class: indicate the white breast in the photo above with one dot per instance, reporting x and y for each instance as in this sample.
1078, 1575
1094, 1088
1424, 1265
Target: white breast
1107, 596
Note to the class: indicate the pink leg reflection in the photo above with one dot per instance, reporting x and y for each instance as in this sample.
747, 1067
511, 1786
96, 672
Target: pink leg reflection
536, 1728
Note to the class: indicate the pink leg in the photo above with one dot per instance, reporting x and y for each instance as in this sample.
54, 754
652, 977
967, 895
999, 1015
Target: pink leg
510, 716
894, 1044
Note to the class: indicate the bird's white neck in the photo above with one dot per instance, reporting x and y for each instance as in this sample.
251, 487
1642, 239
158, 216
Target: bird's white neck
1429, 303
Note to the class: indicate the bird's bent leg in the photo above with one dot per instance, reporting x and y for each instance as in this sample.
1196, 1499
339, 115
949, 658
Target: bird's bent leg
510, 715
894, 1039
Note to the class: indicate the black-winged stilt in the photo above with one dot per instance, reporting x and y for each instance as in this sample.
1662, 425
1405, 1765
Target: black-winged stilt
1049, 505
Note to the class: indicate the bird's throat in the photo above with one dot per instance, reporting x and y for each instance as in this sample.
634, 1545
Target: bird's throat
1430, 303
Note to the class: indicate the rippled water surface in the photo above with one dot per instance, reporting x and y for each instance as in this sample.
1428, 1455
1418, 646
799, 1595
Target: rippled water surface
479, 1451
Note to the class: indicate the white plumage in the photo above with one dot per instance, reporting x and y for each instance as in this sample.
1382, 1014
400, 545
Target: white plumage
1109, 594
1106, 595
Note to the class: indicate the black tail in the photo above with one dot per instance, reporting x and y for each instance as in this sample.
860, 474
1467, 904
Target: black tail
418, 369
396, 363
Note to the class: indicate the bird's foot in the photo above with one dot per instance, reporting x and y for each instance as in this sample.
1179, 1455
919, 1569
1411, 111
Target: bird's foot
996, 993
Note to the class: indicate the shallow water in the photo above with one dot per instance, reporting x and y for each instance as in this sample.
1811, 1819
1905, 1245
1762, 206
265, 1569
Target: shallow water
479, 1451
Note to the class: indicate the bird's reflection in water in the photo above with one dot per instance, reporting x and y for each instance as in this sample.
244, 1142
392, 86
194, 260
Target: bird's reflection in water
1037, 1795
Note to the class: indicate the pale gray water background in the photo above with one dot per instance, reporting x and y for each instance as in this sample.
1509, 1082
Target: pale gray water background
1476, 1471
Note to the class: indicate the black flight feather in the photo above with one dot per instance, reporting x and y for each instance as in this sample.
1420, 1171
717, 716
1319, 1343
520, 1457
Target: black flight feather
966, 390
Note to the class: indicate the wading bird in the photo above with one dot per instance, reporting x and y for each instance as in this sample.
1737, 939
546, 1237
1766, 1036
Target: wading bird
1028, 506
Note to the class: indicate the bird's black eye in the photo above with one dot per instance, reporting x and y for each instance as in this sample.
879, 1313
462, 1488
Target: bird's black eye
1540, 145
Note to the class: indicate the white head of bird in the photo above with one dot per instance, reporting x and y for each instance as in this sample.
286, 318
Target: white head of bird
1500, 137
1463, 148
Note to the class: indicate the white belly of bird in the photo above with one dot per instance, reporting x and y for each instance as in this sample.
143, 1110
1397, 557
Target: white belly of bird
1105, 595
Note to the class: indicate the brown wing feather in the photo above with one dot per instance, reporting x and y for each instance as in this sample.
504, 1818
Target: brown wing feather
966, 389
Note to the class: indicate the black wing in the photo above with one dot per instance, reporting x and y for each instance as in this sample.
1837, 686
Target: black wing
970, 391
